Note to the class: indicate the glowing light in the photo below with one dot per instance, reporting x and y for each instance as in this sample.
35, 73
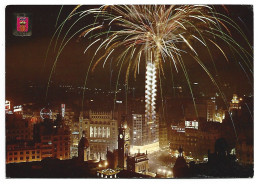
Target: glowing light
63, 110
7, 105
150, 148
156, 34
150, 92
45, 113
235, 99
18, 108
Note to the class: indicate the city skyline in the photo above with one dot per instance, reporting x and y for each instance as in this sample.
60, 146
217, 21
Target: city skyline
181, 100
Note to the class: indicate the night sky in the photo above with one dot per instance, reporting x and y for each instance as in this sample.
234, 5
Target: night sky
25, 56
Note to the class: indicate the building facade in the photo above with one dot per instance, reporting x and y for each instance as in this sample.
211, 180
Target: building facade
101, 131
138, 163
16, 153
144, 136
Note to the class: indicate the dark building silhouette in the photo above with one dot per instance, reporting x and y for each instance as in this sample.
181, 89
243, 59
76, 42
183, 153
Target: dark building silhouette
83, 148
180, 169
121, 147
112, 159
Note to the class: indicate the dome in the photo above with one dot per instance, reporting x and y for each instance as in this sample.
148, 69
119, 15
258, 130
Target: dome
83, 143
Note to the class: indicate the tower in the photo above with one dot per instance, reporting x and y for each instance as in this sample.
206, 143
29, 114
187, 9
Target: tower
121, 147
150, 92
83, 148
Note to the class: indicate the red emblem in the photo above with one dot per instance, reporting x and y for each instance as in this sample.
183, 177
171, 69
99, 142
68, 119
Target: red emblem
22, 24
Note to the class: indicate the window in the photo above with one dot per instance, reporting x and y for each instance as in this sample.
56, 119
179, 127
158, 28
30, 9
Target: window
15, 153
21, 153
10, 159
21, 158
27, 158
33, 157
10, 153
33, 152
15, 158
27, 152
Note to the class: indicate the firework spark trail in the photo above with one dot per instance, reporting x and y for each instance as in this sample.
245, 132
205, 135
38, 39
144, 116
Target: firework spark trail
57, 57
56, 31
58, 16
245, 73
217, 86
141, 32
249, 111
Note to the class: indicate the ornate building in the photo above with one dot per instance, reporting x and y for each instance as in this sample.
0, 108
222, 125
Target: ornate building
102, 131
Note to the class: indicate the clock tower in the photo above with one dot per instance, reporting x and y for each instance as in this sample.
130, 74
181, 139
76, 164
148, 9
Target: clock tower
123, 143
121, 147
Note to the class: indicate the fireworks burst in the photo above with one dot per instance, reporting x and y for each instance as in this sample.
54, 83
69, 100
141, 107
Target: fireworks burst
158, 34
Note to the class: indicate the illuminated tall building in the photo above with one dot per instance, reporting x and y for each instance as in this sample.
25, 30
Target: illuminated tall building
144, 136
150, 92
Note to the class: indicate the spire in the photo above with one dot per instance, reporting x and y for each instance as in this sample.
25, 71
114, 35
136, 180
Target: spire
83, 133
180, 151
